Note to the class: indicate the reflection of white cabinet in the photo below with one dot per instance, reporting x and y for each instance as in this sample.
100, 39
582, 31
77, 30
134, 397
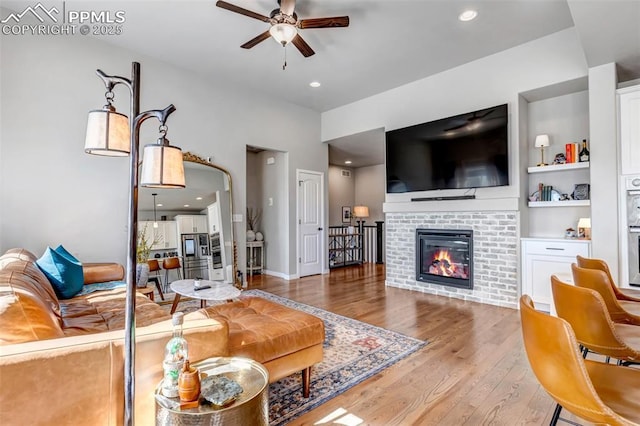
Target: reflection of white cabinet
629, 111
189, 224
164, 236
541, 258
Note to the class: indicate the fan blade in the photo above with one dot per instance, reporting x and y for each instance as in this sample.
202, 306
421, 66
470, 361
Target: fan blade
262, 37
241, 11
456, 127
287, 6
302, 46
336, 21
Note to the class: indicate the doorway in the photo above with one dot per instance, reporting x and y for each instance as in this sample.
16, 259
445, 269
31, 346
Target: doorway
310, 200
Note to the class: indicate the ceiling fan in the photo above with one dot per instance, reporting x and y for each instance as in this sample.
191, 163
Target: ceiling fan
471, 120
285, 25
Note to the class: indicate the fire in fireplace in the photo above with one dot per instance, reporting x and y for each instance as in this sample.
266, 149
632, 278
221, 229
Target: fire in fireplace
445, 257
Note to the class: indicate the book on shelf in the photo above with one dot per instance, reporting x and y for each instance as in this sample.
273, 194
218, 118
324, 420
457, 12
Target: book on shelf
572, 152
545, 192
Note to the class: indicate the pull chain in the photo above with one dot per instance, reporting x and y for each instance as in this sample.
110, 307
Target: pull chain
285, 58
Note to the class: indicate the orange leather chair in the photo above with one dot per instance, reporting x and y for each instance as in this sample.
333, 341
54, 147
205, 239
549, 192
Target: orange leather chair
596, 392
598, 281
154, 266
168, 264
601, 265
587, 314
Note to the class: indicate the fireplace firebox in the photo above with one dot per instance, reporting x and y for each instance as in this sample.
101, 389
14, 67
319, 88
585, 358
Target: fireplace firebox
445, 256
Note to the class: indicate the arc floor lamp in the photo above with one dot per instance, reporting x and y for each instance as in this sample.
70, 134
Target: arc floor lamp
114, 134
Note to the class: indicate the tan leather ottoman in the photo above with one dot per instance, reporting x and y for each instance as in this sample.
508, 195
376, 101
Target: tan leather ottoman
282, 339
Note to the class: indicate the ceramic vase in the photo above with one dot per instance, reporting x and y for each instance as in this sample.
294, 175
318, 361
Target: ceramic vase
251, 236
259, 236
142, 274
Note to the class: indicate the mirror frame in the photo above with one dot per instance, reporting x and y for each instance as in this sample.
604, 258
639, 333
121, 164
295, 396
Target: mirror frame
193, 158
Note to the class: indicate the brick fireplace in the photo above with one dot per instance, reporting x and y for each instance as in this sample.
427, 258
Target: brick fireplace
494, 247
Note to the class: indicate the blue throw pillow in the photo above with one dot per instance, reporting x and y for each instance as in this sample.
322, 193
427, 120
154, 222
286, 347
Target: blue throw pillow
63, 251
65, 274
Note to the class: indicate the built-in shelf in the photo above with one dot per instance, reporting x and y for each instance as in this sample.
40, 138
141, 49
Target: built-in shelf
567, 203
558, 167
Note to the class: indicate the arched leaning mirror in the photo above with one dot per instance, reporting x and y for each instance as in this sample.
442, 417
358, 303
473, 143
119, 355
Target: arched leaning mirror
193, 223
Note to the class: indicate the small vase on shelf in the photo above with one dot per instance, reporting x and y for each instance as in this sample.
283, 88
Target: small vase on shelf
251, 236
259, 236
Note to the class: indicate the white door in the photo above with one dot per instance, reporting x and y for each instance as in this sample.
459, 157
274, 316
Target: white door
310, 223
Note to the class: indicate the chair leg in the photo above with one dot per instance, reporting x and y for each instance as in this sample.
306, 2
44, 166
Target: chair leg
556, 415
306, 381
159, 287
585, 352
607, 359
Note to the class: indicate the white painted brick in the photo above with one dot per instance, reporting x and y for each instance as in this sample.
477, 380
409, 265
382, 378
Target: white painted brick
495, 254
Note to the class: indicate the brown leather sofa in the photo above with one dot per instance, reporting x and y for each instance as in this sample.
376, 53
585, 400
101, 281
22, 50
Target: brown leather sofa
61, 361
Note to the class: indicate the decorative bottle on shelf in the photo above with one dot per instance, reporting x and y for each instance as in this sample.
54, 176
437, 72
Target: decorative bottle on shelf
175, 354
584, 152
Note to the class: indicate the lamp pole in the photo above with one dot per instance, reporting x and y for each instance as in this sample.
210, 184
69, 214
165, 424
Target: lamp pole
135, 120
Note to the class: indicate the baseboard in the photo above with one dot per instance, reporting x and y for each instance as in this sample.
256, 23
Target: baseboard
280, 275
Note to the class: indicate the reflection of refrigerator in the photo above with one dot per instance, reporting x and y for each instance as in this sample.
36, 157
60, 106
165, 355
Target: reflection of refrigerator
216, 271
195, 252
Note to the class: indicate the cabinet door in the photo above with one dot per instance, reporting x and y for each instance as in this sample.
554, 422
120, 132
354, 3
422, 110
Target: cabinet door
185, 224
200, 223
539, 269
630, 132
170, 234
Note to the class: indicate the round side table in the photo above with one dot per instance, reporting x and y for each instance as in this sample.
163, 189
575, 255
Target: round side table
251, 407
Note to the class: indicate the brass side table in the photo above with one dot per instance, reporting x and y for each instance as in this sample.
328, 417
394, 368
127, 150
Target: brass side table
251, 407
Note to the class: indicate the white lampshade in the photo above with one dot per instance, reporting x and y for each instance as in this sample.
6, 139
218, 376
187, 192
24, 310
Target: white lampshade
584, 222
361, 211
107, 133
542, 140
283, 33
162, 167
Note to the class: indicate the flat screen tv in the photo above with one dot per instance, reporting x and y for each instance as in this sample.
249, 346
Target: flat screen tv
464, 151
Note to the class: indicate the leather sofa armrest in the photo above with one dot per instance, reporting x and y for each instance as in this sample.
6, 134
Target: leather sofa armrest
102, 272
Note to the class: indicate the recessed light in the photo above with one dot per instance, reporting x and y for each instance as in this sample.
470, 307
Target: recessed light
347, 162
159, 205
315, 84
186, 205
198, 198
467, 15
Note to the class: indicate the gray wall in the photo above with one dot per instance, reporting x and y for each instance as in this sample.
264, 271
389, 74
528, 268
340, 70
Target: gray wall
52, 192
370, 190
342, 192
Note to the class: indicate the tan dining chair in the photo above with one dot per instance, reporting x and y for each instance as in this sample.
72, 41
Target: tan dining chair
597, 280
594, 391
589, 318
599, 264
169, 264
154, 267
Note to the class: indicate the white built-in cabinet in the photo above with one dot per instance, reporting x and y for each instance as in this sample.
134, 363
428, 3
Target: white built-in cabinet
164, 236
629, 131
191, 224
543, 257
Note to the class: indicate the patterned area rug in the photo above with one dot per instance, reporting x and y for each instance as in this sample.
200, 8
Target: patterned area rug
353, 352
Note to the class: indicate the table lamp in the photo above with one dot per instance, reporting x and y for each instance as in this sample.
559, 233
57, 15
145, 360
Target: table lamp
584, 228
541, 142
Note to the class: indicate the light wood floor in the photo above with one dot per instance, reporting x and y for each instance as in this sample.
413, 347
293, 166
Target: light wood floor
474, 371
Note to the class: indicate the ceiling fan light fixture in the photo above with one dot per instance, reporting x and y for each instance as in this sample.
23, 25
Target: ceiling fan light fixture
283, 33
468, 15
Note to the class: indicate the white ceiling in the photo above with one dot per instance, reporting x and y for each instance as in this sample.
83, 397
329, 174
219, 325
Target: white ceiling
388, 43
